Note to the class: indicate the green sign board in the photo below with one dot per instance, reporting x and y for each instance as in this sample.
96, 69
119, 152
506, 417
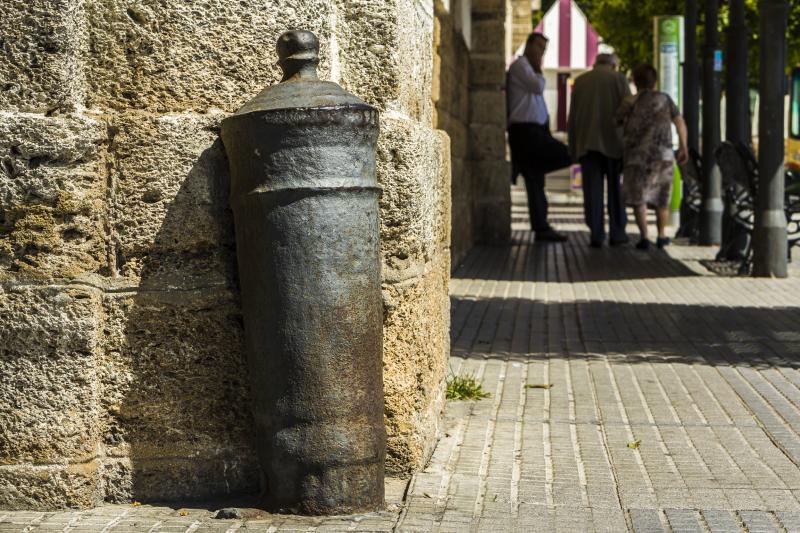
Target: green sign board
669, 55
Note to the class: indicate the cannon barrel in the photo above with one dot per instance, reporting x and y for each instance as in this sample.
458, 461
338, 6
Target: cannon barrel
305, 197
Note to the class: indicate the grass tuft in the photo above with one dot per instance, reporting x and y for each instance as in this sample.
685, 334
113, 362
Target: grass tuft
465, 388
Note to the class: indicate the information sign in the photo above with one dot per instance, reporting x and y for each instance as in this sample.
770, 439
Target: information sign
669, 55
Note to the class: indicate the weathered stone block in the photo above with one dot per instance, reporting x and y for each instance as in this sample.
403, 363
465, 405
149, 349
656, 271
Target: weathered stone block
488, 107
493, 221
173, 55
29, 487
115, 478
439, 52
178, 478
459, 140
488, 35
42, 48
48, 394
170, 214
415, 24
196, 478
414, 170
387, 53
492, 215
491, 178
453, 116
463, 230
489, 9
487, 141
176, 395
462, 237
460, 101
52, 196
416, 351
487, 70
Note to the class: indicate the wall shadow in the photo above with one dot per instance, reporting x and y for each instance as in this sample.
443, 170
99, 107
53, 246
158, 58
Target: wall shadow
185, 419
525, 329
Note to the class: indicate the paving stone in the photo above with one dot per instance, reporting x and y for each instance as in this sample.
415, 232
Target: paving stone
646, 520
722, 521
759, 521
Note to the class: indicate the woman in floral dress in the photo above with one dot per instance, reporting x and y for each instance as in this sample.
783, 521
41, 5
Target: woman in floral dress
648, 157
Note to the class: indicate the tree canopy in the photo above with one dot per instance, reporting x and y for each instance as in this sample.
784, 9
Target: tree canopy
627, 25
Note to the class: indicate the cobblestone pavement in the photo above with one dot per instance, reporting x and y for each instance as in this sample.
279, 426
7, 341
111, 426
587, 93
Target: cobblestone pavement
629, 391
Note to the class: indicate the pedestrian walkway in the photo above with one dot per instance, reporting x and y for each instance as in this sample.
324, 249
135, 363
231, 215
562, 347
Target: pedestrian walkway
629, 391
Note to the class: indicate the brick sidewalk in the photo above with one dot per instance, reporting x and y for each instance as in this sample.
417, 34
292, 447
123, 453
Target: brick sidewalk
702, 371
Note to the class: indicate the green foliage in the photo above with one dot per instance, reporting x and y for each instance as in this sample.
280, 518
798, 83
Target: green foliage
793, 36
539, 15
627, 25
465, 388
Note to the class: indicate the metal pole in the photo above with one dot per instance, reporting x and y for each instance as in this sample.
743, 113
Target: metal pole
735, 238
691, 70
711, 211
769, 234
737, 127
691, 106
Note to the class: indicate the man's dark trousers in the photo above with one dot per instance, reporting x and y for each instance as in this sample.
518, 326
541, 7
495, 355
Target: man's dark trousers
535, 153
595, 166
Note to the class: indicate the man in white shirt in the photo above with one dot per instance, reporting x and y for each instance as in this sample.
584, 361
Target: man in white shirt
534, 151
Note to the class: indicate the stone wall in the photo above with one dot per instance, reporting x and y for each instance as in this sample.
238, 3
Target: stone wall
491, 44
470, 106
452, 115
120, 325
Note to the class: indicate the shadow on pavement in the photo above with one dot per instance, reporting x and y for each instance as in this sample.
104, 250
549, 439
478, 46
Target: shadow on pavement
523, 259
519, 328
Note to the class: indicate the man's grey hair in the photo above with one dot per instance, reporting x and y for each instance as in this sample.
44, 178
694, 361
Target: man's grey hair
607, 59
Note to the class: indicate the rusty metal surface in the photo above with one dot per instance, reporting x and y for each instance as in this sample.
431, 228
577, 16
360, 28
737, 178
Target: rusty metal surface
305, 201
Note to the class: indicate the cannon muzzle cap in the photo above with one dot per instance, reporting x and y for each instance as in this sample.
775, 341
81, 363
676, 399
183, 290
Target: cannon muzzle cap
298, 44
298, 57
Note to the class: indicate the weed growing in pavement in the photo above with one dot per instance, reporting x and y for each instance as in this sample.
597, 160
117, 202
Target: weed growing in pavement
465, 388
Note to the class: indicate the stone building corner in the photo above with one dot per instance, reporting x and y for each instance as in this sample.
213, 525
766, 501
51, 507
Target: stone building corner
120, 321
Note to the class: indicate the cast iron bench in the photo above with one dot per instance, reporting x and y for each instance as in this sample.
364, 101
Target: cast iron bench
691, 174
740, 177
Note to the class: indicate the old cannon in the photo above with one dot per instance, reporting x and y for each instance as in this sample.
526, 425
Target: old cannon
305, 200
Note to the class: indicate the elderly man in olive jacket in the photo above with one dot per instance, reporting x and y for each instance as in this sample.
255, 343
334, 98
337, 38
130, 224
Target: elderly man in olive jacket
596, 143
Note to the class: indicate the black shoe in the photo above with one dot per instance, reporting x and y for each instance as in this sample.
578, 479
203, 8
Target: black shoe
596, 244
550, 235
618, 242
643, 244
661, 242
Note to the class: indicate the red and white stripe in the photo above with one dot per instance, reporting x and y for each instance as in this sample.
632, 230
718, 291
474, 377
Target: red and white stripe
573, 41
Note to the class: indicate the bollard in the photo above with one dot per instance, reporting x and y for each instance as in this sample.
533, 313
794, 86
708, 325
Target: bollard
304, 196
